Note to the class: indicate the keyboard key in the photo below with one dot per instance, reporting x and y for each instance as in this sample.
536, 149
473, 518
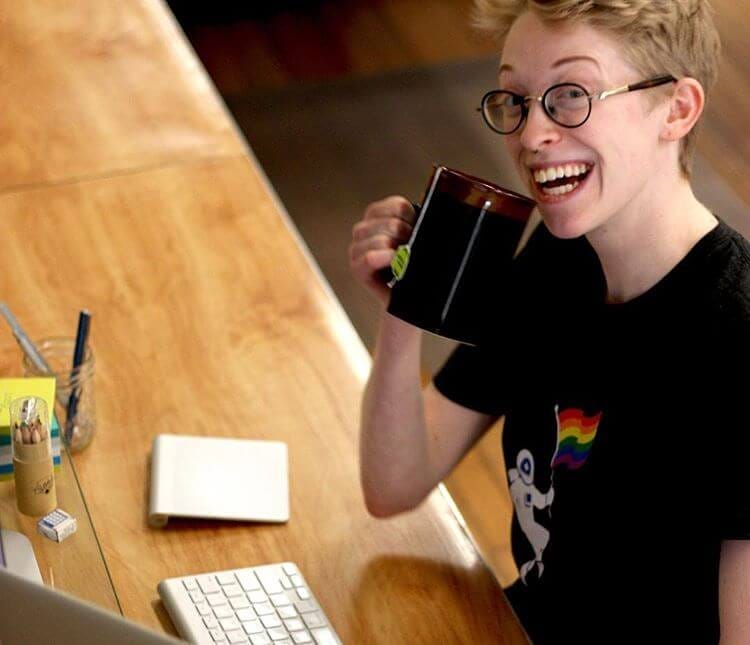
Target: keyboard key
289, 568
246, 614
196, 596
260, 639
257, 596
305, 606
303, 593
247, 580
230, 591
286, 641
217, 635
208, 585
277, 633
294, 624
264, 608
236, 637
223, 612
190, 584
297, 580
230, 624
301, 637
210, 622
270, 581
324, 637
226, 578
287, 612
239, 603
270, 621
204, 609
253, 627
314, 620
216, 599
286, 582
280, 599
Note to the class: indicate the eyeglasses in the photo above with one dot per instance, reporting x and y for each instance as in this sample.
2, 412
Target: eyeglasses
567, 104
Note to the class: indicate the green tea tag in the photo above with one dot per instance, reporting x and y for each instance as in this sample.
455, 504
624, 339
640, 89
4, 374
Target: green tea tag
400, 261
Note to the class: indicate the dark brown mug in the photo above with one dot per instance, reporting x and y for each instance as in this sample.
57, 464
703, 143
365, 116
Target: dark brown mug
452, 269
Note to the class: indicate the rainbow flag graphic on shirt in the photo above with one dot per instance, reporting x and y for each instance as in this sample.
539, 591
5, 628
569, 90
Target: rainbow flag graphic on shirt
575, 437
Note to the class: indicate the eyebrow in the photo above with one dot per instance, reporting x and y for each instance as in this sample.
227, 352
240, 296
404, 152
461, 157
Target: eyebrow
563, 61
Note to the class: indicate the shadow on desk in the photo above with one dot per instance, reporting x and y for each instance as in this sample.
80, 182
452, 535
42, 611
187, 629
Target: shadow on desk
422, 582
164, 620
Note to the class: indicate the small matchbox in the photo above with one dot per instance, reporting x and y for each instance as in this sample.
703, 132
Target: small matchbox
57, 525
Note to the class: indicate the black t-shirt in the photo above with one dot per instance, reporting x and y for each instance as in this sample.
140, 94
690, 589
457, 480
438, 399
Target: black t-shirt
625, 438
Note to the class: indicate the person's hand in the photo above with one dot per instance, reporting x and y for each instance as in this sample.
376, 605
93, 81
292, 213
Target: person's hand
384, 226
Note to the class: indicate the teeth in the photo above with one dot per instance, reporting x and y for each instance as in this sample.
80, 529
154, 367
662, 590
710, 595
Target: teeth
560, 190
568, 170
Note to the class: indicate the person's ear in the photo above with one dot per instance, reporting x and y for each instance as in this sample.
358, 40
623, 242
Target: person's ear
685, 107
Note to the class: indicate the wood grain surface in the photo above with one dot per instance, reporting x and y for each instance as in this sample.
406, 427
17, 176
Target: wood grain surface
209, 320
94, 87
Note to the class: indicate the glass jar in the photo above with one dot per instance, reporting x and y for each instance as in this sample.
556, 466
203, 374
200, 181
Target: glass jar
78, 431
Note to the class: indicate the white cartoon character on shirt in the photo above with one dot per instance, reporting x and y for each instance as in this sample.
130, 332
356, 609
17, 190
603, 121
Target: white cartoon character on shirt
526, 497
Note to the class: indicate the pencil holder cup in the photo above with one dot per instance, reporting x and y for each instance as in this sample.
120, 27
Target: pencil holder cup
32, 456
75, 388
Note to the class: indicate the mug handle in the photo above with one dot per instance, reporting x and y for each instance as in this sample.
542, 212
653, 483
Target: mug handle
386, 274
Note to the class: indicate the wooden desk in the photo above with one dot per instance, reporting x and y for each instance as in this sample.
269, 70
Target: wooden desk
96, 87
209, 318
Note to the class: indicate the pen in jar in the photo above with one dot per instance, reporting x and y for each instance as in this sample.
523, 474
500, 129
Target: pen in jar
28, 347
82, 334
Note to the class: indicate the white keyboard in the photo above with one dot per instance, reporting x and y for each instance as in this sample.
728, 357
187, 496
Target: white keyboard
265, 605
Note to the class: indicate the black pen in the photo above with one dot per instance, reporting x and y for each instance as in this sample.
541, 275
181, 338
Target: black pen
84, 322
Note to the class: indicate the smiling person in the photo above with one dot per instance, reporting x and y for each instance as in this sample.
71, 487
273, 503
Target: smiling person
613, 357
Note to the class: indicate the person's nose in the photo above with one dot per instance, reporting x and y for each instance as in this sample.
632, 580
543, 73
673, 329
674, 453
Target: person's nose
538, 130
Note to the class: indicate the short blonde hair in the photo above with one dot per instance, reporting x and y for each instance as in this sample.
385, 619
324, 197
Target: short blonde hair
675, 37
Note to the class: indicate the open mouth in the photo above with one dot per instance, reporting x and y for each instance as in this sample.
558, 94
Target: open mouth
561, 180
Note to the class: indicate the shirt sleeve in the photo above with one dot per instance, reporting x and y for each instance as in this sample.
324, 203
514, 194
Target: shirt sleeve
475, 378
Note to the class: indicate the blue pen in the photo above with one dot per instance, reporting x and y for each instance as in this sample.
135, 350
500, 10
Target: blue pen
84, 322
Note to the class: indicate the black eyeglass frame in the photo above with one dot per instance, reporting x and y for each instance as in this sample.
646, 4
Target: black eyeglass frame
600, 96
